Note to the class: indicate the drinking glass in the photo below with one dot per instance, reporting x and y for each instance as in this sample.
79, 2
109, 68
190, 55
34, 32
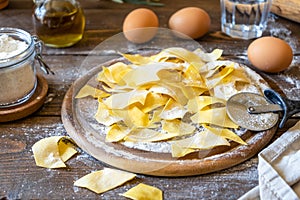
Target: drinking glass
245, 19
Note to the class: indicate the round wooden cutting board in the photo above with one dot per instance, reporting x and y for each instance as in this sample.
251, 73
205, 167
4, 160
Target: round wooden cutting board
77, 116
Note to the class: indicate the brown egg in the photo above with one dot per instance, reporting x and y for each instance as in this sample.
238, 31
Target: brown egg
270, 54
140, 25
190, 21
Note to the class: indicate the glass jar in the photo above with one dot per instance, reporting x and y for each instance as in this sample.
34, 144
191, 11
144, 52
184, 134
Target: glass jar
58, 23
18, 79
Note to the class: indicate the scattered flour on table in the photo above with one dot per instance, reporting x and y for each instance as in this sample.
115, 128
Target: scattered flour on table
282, 32
292, 91
291, 75
38, 132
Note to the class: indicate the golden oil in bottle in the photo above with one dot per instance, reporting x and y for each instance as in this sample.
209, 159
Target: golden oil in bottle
58, 23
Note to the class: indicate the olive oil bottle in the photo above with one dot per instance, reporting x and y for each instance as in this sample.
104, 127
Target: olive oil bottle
58, 23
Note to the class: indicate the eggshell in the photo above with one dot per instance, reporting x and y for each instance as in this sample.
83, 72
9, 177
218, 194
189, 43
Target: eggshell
190, 21
140, 25
270, 54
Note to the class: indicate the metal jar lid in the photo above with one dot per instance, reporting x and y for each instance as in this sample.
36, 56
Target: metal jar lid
34, 47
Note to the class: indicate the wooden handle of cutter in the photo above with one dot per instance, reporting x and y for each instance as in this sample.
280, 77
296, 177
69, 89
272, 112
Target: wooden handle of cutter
289, 9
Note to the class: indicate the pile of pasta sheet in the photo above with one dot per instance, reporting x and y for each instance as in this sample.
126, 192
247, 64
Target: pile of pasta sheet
167, 97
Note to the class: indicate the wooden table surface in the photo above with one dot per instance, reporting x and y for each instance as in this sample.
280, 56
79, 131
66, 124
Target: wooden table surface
20, 178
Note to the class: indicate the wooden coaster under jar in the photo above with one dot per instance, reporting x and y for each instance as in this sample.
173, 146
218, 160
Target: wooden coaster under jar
28, 107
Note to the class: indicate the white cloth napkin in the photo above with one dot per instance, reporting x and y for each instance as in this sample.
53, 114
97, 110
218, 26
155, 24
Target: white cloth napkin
279, 169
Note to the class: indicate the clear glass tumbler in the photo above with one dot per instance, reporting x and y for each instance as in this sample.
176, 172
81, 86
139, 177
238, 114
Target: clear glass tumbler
244, 19
58, 23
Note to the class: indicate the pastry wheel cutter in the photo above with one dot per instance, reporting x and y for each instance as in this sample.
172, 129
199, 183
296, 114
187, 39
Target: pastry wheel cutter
257, 113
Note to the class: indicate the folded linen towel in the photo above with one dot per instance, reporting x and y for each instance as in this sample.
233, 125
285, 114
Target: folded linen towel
279, 169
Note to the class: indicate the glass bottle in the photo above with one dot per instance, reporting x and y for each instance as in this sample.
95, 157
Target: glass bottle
58, 23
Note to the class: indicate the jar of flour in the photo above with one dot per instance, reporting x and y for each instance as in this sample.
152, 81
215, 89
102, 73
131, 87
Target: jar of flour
18, 51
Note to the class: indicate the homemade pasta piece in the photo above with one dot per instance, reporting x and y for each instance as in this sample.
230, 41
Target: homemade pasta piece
164, 56
144, 192
179, 151
146, 74
156, 120
183, 92
116, 133
128, 120
160, 89
215, 116
133, 117
106, 116
88, 90
118, 71
225, 133
147, 135
216, 79
176, 92
192, 77
170, 76
138, 118
124, 99
200, 141
153, 101
104, 180
102, 78
237, 76
52, 152
186, 55
177, 127
66, 148
172, 110
114, 74
209, 57
137, 59
198, 103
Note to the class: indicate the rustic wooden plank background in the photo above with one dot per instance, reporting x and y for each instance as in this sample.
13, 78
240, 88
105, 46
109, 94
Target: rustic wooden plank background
19, 176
